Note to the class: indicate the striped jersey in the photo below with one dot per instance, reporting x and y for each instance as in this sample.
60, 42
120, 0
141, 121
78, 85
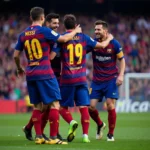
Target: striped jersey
104, 61
35, 41
73, 59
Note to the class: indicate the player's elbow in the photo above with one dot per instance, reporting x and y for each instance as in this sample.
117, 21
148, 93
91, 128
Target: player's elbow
16, 54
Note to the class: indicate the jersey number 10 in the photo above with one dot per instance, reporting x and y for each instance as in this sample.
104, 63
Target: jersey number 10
75, 51
34, 49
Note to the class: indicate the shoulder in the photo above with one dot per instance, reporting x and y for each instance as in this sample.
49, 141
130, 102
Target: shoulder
23, 32
87, 37
45, 29
21, 35
115, 42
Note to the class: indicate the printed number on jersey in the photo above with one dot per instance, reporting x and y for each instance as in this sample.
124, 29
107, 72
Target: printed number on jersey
34, 49
75, 51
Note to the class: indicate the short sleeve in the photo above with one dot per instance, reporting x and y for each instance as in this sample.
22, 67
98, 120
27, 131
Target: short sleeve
118, 49
19, 45
91, 43
56, 48
51, 35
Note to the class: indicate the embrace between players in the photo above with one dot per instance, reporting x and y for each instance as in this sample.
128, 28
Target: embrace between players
59, 62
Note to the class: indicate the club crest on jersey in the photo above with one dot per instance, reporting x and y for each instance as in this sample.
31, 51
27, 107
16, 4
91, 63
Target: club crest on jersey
109, 50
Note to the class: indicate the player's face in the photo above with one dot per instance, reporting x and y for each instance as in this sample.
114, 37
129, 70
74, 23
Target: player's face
53, 24
100, 32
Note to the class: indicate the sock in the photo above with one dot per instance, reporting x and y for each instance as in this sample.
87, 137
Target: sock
44, 119
64, 112
85, 119
95, 116
36, 118
30, 124
54, 122
111, 120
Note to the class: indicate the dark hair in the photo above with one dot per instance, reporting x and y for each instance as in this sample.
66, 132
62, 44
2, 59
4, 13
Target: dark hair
69, 21
36, 12
103, 23
51, 16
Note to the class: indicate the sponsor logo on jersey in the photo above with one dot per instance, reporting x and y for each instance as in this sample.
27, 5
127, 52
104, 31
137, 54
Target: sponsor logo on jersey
109, 50
100, 58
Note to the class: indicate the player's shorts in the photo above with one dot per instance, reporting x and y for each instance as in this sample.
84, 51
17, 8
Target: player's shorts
74, 94
107, 89
45, 91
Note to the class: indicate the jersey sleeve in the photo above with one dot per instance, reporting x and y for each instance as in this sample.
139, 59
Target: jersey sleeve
51, 35
19, 45
91, 43
118, 50
56, 48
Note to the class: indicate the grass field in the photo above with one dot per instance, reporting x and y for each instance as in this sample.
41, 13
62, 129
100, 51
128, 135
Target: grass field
132, 133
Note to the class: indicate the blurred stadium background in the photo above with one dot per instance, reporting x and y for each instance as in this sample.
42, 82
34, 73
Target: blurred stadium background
129, 22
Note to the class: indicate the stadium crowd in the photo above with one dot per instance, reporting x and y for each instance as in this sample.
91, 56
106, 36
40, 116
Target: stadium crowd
131, 31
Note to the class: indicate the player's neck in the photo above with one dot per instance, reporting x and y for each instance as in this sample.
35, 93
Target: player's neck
103, 38
36, 23
69, 30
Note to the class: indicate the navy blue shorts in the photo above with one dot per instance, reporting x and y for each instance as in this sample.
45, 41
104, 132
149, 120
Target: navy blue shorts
107, 89
45, 91
74, 94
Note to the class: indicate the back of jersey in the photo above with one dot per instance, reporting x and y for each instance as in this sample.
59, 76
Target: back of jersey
37, 50
73, 54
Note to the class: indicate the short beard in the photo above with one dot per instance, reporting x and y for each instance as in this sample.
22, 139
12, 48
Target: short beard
55, 29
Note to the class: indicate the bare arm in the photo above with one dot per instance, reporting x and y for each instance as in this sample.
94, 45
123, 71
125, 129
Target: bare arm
122, 66
121, 73
104, 43
52, 55
65, 38
20, 70
17, 59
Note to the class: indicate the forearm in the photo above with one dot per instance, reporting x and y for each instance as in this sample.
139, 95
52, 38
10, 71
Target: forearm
17, 61
122, 66
102, 44
52, 55
67, 37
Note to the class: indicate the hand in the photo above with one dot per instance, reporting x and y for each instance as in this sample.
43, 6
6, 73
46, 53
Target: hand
110, 36
78, 29
120, 80
20, 72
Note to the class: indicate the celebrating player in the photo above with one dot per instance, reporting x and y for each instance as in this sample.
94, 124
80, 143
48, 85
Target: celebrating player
52, 21
73, 76
106, 79
41, 82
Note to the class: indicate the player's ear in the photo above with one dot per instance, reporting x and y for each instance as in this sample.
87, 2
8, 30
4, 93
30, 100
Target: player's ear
46, 23
30, 18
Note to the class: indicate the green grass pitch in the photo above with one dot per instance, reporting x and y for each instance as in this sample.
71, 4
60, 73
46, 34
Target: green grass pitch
132, 133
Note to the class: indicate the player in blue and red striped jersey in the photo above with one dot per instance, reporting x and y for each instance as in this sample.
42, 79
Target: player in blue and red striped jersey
73, 76
41, 82
52, 22
106, 79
